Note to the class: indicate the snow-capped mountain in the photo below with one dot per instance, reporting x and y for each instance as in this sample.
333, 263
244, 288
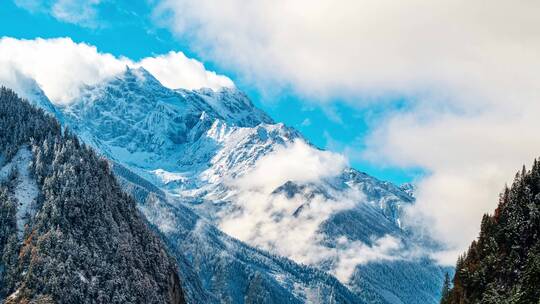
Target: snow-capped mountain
193, 158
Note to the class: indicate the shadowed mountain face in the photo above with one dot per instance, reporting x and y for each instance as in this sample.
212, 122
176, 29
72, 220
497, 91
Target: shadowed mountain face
68, 233
182, 154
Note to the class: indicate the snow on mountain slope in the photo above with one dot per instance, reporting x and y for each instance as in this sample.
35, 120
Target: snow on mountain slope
200, 147
230, 105
26, 190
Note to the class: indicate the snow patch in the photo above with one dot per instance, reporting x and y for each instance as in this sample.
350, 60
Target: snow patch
26, 190
6, 169
14, 295
167, 177
82, 277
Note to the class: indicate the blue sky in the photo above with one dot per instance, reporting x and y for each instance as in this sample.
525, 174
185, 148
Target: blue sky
127, 28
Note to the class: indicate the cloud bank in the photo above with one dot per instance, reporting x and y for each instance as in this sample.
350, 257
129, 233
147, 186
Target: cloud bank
469, 159
468, 70
61, 66
370, 48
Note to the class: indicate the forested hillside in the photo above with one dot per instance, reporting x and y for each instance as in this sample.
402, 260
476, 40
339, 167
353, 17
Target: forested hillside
68, 234
503, 264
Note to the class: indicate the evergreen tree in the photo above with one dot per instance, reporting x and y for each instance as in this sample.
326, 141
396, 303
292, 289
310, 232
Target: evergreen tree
445, 298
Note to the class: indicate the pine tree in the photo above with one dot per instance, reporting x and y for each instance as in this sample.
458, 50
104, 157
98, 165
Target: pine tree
445, 294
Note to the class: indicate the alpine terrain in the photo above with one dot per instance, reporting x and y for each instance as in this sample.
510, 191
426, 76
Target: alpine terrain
200, 165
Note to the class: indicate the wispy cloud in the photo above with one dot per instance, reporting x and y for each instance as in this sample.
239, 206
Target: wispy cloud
370, 48
84, 13
306, 122
81, 12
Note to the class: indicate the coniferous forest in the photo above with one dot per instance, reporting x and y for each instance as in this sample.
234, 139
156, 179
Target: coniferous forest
81, 240
503, 264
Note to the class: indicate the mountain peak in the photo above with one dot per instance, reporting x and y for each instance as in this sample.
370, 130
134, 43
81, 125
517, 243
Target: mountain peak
137, 87
140, 75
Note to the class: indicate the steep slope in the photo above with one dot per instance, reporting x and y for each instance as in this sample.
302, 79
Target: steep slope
230, 271
194, 146
68, 234
503, 264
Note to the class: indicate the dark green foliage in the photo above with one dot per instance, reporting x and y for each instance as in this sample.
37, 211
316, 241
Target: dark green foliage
445, 293
87, 242
503, 265
8, 239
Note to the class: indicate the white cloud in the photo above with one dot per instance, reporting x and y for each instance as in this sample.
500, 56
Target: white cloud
175, 70
350, 254
297, 162
13, 79
469, 70
61, 66
328, 48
